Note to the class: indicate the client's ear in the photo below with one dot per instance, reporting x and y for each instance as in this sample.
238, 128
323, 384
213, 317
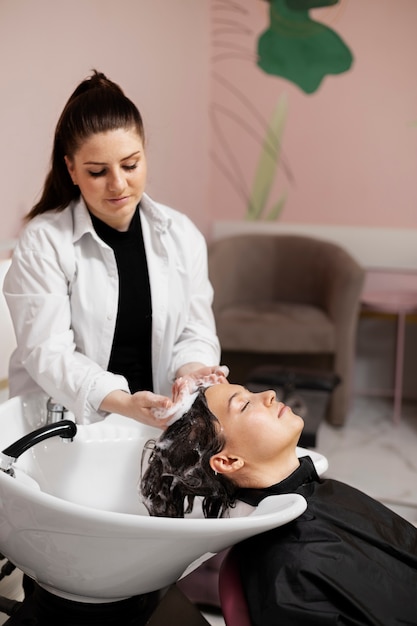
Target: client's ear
223, 464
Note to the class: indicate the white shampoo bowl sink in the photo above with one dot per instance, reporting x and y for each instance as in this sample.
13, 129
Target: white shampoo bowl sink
72, 518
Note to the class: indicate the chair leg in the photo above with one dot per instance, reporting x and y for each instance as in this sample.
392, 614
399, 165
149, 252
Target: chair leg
338, 404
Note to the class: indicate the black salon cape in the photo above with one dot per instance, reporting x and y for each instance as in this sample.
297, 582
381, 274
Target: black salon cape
346, 560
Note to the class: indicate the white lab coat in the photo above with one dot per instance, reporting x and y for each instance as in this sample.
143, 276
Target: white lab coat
62, 292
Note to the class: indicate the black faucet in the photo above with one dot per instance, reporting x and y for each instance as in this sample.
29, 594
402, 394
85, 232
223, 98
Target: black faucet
64, 428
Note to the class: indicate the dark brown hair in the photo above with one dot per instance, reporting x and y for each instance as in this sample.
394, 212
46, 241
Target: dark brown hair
97, 105
179, 467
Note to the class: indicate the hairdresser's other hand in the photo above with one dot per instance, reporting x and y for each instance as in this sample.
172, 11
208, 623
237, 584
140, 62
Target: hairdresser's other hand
188, 380
143, 406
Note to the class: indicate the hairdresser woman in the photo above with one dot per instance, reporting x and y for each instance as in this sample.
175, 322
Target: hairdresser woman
108, 290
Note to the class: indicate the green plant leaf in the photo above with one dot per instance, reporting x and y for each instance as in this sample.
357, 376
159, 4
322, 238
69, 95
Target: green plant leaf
276, 210
268, 160
299, 48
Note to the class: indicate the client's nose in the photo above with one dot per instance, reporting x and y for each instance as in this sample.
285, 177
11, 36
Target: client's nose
269, 396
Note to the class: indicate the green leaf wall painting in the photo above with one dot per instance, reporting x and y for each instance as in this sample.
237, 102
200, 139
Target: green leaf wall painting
299, 48
294, 47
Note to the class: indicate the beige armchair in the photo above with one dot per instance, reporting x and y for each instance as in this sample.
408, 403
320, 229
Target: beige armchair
287, 299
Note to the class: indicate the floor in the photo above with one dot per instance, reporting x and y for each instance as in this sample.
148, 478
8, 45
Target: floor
369, 452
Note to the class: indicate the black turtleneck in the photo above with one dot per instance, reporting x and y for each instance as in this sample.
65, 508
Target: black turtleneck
304, 474
131, 350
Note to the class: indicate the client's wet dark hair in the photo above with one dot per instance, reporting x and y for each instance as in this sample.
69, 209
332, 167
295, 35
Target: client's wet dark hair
179, 466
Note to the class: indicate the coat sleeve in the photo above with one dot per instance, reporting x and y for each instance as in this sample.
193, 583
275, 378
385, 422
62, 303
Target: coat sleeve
37, 292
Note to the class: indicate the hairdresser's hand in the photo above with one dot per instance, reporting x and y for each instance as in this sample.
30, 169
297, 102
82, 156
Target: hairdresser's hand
188, 380
143, 406
185, 389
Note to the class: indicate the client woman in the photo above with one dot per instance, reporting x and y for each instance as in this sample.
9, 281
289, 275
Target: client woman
347, 560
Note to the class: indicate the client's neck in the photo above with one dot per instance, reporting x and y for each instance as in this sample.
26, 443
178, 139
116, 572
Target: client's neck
268, 474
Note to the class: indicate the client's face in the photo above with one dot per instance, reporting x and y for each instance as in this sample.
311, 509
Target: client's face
256, 426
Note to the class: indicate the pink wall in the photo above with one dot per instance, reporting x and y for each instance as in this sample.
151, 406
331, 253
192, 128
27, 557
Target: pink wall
351, 145
157, 50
